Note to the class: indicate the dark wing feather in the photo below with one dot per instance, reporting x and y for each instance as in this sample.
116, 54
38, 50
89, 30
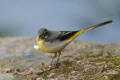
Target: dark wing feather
64, 35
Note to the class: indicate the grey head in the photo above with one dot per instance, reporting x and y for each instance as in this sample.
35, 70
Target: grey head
48, 35
43, 33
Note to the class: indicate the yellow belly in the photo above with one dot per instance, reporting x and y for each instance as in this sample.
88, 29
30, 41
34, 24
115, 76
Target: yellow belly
45, 48
50, 49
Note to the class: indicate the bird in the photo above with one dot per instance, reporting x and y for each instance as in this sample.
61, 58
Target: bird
54, 42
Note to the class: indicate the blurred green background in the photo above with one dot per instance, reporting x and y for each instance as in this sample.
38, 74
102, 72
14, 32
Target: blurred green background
26, 17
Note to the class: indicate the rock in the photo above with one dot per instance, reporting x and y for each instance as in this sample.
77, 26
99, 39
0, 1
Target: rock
111, 49
100, 63
79, 62
51, 75
73, 72
79, 48
39, 79
8, 70
20, 61
89, 69
106, 77
30, 71
6, 76
112, 72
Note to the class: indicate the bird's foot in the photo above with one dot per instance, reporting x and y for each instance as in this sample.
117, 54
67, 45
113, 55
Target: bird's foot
52, 66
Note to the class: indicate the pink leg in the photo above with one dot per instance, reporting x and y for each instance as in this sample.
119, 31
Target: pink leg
59, 53
53, 58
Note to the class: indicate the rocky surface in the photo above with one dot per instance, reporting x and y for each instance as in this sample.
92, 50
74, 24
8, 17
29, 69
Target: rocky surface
79, 61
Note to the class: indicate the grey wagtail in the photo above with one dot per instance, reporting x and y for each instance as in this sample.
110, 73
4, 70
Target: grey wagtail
55, 41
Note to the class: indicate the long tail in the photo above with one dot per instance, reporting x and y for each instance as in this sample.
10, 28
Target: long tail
90, 28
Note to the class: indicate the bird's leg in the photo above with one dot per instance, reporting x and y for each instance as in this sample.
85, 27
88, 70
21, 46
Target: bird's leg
51, 64
53, 58
59, 53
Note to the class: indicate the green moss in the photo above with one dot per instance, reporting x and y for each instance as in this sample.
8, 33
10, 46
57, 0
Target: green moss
66, 70
67, 62
114, 60
110, 52
115, 77
85, 53
45, 74
94, 77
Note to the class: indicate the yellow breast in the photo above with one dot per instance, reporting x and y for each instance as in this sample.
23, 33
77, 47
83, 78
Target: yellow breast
40, 43
48, 48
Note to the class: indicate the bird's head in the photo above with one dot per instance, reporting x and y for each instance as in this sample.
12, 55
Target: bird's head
43, 33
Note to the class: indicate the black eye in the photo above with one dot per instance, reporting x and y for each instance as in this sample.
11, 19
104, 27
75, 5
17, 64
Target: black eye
40, 36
